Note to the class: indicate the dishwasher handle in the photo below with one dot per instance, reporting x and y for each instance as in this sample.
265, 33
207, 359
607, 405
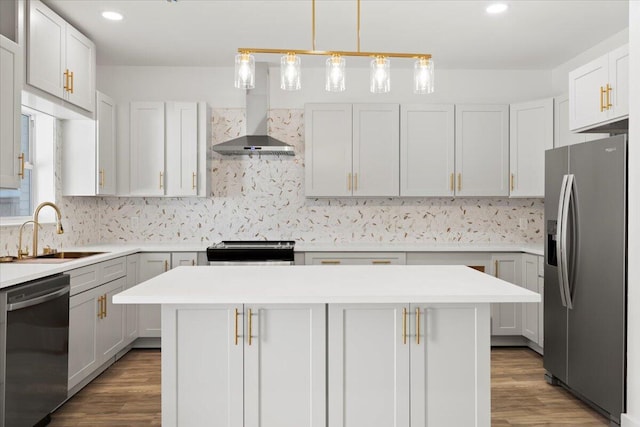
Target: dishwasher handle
39, 300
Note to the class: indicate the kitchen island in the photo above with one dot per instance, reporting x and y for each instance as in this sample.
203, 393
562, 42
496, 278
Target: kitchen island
319, 346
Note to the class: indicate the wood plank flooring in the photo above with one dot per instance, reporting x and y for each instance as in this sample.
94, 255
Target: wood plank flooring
128, 394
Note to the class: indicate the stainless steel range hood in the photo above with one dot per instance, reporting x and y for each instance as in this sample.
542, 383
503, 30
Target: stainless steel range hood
256, 141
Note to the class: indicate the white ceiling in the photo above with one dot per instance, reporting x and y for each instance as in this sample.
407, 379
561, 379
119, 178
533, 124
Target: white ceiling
540, 34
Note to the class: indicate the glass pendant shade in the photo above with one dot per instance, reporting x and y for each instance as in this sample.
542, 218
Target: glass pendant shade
290, 72
423, 78
335, 74
245, 71
380, 75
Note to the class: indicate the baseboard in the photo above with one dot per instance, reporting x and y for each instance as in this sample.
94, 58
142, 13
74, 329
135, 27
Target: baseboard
508, 341
147, 342
627, 421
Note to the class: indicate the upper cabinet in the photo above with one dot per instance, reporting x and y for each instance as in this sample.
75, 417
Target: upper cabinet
599, 91
10, 135
482, 150
531, 133
60, 60
427, 149
352, 150
89, 152
168, 149
561, 134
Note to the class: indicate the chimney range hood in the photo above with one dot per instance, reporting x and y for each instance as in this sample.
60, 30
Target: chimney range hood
256, 141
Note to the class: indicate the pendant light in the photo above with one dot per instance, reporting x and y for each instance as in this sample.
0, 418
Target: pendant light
245, 71
335, 74
380, 75
290, 72
423, 76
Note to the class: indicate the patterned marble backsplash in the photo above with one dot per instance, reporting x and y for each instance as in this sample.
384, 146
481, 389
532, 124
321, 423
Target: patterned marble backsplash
263, 198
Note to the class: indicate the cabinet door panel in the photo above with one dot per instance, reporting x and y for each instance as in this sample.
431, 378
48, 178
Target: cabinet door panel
284, 369
427, 146
83, 351
376, 157
81, 60
328, 150
202, 379
482, 150
147, 149
131, 310
111, 325
619, 81
450, 380
530, 310
184, 258
106, 139
506, 318
151, 265
46, 54
182, 148
368, 366
10, 130
585, 99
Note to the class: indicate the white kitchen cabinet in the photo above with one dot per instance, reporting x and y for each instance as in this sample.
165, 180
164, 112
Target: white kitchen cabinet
184, 258
506, 318
351, 150
10, 132
355, 258
562, 135
599, 91
427, 150
151, 265
89, 152
541, 304
110, 325
531, 133
482, 150
61, 60
386, 364
268, 371
167, 145
131, 310
530, 314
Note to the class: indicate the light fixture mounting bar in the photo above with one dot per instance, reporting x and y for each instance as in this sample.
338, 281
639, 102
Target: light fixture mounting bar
334, 52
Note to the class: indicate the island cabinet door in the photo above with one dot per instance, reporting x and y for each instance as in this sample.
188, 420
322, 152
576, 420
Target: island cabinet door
368, 365
450, 365
285, 365
202, 375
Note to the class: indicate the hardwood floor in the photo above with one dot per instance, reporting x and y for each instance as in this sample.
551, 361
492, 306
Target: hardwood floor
128, 394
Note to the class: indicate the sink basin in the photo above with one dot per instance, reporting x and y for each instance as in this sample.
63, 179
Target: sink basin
55, 258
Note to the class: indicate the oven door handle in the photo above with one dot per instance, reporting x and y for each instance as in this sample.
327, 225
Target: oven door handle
39, 300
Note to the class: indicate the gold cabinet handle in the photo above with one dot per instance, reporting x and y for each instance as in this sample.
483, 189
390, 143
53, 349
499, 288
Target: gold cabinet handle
161, 180
602, 91
250, 325
381, 261
71, 78
417, 325
330, 261
66, 80
512, 181
609, 89
104, 302
459, 182
101, 181
495, 270
236, 321
355, 184
349, 181
404, 325
166, 265
451, 182
193, 262
193, 181
100, 307
21, 158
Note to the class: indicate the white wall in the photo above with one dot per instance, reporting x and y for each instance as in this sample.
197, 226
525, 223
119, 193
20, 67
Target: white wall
632, 419
559, 75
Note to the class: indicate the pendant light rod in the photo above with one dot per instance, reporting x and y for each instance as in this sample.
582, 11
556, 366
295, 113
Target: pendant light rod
334, 52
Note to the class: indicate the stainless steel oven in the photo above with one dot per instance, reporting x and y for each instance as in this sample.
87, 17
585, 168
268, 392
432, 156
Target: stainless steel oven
34, 343
251, 252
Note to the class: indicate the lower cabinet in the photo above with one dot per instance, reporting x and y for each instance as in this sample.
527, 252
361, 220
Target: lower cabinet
354, 258
530, 327
95, 329
408, 365
506, 318
251, 365
131, 310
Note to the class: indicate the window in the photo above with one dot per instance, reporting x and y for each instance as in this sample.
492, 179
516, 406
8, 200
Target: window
37, 145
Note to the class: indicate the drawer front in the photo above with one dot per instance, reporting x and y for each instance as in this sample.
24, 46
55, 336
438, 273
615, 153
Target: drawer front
355, 258
113, 269
85, 278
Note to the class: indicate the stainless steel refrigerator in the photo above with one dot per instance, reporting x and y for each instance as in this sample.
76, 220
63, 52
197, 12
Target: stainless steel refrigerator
585, 271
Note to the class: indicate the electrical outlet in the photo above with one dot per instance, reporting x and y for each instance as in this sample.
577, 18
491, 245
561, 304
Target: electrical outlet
134, 222
523, 223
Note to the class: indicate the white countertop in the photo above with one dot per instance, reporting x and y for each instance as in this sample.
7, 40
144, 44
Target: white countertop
324, 284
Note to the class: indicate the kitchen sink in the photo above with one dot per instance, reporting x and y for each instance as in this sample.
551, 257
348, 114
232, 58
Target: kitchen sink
56, 257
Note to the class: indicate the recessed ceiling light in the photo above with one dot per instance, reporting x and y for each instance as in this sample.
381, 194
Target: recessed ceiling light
496, 8
112, 16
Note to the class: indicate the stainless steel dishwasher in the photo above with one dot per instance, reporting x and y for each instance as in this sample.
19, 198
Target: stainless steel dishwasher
34, 343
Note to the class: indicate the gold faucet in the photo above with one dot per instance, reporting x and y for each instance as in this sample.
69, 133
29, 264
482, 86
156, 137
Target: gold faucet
21, 253
59, 228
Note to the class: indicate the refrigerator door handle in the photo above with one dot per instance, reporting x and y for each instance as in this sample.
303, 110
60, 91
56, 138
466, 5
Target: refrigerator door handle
563, 237
559, 247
